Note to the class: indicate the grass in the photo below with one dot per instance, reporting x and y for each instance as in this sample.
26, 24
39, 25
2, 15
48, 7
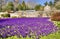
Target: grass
50, 36
57, 23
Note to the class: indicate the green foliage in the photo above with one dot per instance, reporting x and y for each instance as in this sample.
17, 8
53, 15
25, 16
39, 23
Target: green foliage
10, 6
57, 23
19, 7
37, 7
50, 3
58, 6
46, 3
5, 15
52, 36
22, 6
3, 9
15, 37
0, 9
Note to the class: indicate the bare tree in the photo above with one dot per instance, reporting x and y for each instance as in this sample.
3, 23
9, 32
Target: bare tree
15, 4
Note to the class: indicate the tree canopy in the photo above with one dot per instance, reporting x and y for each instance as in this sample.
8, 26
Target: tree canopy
46, 3
37, 7
10, 6
50, 3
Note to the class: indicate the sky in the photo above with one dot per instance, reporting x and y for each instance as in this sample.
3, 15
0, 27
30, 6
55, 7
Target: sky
39, 1
35, 1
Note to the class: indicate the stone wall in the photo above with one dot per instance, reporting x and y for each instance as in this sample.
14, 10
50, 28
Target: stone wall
30, 14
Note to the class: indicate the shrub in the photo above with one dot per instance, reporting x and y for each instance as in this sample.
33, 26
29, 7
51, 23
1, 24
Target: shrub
5, 15
55, 16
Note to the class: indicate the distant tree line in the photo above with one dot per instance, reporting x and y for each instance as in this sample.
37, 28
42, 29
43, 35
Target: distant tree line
10, 6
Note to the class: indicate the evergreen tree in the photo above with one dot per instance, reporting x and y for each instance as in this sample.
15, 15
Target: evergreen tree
37, 7
46, 3
50, 3
23, 5
10, 6
19, 7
